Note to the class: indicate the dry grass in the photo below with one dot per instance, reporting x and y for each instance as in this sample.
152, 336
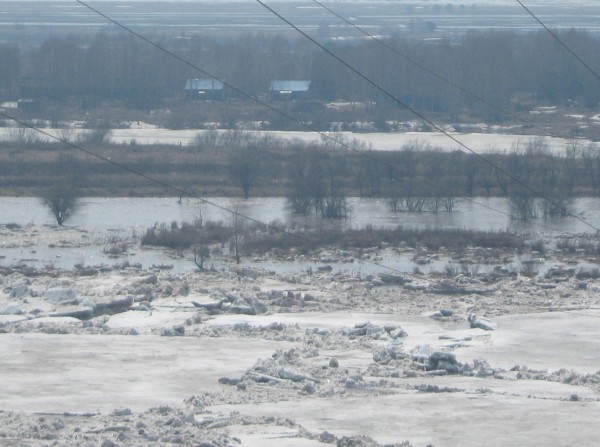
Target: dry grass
186, 235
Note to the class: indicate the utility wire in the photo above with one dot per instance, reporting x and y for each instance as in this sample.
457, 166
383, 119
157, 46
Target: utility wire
269, 106
126, 168
276, 110
168, 185
423, 117
266, 105
175, 188
280, 112
197, 68
421, 66
560, 41
413, 61
427, 70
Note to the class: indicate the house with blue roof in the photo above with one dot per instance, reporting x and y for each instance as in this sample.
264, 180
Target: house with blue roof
204, 89
282, 90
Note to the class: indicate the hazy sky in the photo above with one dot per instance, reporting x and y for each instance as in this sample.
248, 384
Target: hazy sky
414, 2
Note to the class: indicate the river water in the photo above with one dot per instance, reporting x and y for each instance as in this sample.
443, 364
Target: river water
108, 219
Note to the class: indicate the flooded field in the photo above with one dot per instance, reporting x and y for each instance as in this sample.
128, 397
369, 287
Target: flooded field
105, 342
102, 222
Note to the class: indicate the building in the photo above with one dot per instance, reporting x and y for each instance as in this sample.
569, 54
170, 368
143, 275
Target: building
289, 90
204, 89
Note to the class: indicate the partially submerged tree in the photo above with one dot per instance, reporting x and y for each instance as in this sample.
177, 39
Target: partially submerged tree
62, 202
61, 198
200, 250
317, 185
238, 235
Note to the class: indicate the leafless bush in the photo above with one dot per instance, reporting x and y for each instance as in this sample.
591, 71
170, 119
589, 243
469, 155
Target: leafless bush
558, 207
23, 135
185, 235
583, 245
448, 203
409, 204
93, 136
65, 134
455, 240
539, 246
207, 138
523, 208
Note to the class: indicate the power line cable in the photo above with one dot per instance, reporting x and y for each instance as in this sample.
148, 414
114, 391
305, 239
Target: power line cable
203, 200
423, 67
412, 60
423, 117
560, 41
272, 108
427, 70
174, 188
263, 103
283, 113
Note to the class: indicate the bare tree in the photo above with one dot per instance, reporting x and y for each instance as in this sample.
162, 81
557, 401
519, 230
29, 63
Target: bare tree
22, 136
62, 202
200, 250
522, 206
300, 198
573, 155
335, 205
238, 235
61, 198
244, 167
521, 168
591, 164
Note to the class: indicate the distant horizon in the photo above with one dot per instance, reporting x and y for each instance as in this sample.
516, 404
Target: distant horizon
530, 4
533, 3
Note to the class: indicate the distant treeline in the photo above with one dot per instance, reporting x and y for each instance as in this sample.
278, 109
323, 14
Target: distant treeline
511, 70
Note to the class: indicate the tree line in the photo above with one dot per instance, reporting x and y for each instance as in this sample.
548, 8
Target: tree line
315, 177
507, 69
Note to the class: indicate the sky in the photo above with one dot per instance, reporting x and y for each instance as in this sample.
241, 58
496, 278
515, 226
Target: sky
414, 2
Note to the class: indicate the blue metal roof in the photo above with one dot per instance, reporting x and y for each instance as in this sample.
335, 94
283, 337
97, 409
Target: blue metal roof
290, 86
203, 84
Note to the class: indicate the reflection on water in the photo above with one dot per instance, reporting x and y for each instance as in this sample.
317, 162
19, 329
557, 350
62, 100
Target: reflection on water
107, 218
487, 214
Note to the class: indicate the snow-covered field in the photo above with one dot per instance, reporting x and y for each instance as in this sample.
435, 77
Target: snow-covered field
386, 141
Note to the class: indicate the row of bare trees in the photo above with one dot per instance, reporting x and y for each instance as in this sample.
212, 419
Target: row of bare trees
318, 178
